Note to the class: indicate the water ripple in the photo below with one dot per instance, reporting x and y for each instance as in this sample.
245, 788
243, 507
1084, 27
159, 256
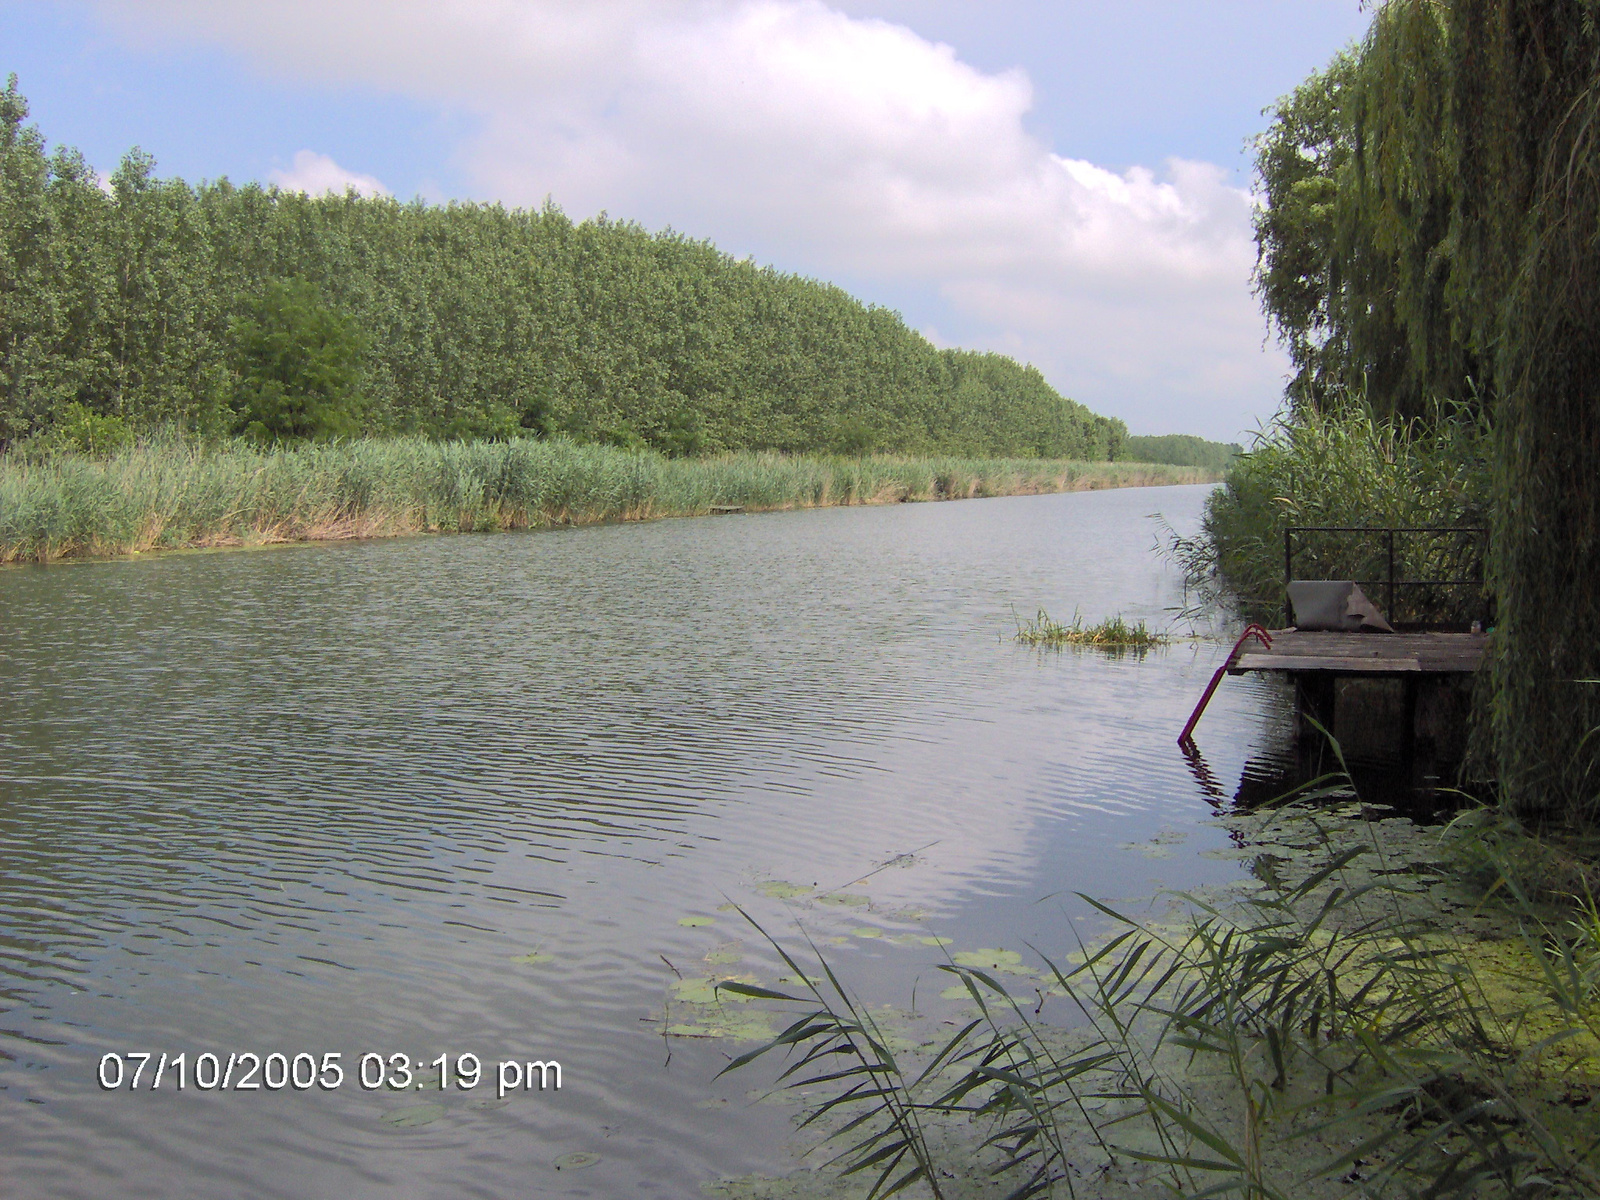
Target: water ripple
453, 794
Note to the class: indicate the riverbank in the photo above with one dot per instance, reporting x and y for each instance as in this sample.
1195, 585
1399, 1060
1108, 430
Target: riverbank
175, 496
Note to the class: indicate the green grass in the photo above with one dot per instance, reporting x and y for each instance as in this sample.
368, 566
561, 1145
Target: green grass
1113, 633
176, 494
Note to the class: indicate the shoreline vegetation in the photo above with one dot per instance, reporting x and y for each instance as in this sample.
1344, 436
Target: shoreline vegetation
177, 495
1426, 258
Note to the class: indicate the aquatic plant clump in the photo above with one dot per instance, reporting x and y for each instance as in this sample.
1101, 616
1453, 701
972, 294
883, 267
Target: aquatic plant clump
187, 494
1113, 633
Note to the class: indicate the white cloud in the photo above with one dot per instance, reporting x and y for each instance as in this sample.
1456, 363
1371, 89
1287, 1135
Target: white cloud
828, 143
316, 174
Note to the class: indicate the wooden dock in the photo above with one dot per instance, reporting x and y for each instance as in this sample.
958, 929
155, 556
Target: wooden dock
1391, 696
1368, 654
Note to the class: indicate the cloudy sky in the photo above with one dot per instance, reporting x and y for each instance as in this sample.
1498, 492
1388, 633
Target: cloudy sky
1066, 181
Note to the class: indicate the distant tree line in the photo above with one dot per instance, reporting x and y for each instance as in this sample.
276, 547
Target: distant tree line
223, 310
1181, 450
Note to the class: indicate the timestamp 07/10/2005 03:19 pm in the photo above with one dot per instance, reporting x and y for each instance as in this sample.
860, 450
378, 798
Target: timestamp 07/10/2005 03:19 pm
247, 1071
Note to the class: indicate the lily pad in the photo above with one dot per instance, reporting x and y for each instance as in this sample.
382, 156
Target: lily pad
691, 922
782, 889
410, 1118
1007, 961
867, 933
737, 1026
1148, 849
576, 1161
695, 991
723, 957
848, 899
703, 990
935, 941
958, 992
531, 960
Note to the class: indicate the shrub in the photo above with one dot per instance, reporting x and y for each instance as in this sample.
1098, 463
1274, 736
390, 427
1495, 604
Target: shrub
299, 366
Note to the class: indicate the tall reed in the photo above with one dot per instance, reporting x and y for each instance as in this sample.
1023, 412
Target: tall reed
1346, 468
183, 494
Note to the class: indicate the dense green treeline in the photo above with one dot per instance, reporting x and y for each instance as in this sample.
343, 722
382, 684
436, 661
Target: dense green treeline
473, 321
1430, 257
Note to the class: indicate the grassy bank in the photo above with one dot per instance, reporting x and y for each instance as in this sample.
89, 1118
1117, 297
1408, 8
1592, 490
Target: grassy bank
171, 496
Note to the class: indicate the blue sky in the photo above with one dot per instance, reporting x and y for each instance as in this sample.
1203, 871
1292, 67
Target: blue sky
1066, 182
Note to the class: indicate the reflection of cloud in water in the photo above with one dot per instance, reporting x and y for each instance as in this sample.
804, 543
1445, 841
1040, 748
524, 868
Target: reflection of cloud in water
459, 793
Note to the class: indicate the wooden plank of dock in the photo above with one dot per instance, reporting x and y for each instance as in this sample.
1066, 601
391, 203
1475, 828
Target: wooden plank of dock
1366, 653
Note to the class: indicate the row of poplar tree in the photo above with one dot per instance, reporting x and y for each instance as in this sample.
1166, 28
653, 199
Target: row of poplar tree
247, 309
1430, 247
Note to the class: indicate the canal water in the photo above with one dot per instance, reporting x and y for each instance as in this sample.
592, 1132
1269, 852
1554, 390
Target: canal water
498, 795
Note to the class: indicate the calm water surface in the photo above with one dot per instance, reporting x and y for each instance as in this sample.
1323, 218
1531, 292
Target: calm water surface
324, 798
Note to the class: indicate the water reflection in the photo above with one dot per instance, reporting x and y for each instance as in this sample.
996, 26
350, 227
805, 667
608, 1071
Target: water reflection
460, 794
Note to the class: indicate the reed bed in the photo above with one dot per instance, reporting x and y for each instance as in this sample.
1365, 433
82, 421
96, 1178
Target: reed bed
172, 495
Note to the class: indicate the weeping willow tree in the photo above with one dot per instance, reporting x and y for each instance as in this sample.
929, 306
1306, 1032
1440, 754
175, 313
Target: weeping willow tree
1430, 252
1527, 109
1355, 248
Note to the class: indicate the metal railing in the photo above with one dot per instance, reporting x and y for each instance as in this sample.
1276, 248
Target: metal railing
1393, 581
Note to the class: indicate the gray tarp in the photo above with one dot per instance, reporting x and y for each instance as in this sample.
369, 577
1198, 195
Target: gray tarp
1334, 604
